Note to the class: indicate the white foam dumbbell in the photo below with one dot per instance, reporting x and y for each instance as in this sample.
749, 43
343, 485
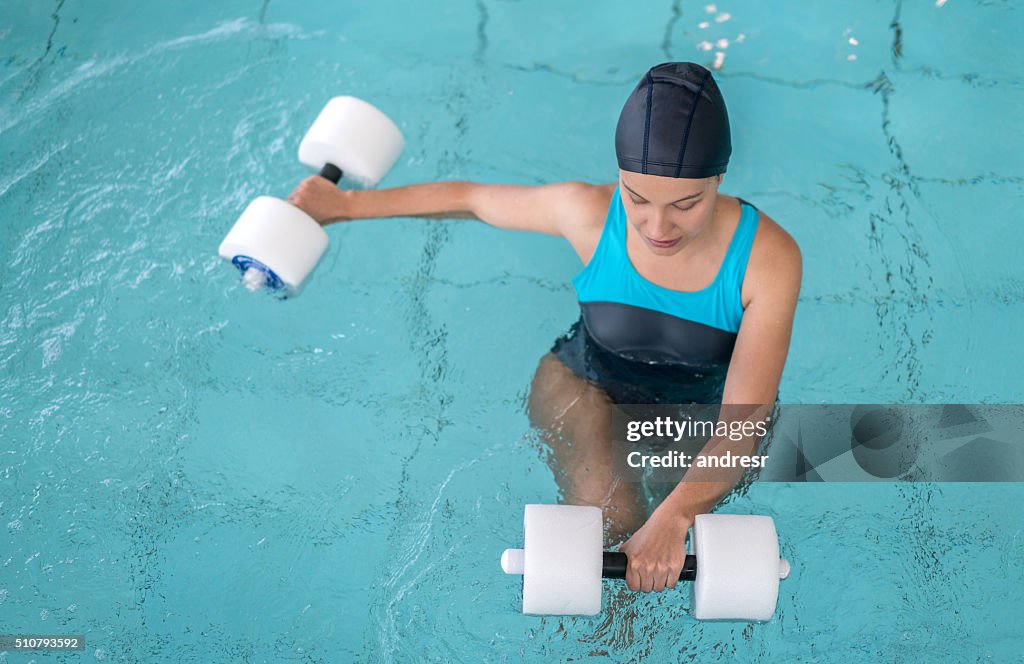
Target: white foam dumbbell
735, 567
276, 244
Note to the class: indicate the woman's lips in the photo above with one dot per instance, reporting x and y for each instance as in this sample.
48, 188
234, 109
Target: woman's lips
663, 244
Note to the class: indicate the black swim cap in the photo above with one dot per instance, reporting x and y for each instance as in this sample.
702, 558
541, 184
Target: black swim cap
674, 124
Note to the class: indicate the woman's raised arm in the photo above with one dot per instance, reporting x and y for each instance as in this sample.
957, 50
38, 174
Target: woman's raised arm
550, 208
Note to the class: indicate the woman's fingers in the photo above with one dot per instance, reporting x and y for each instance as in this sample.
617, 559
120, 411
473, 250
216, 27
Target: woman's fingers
652, 577
654, 564
317, 197
303, 192
648, 580
640, 576
673, 577
632, 577
660, 576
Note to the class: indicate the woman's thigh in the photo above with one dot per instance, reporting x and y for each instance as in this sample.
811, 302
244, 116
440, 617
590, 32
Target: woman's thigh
573, 417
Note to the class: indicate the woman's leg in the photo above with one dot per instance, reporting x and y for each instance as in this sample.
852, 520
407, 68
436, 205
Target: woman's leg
573, 417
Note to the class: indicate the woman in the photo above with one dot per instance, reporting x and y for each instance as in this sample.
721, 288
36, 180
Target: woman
687, 296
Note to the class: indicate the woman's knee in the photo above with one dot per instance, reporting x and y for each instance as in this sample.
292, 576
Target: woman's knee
553, 391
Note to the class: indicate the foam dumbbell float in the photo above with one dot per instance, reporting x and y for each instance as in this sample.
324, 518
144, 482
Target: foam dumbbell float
735, 566
276, 244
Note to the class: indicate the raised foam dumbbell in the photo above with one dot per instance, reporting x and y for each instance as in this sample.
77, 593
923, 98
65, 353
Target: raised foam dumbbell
276, 244
735, 567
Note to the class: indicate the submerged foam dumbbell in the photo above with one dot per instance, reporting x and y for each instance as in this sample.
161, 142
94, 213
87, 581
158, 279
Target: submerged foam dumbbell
735, 567
276, 244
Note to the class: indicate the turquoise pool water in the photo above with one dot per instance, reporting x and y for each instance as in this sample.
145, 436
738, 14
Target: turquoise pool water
193, 473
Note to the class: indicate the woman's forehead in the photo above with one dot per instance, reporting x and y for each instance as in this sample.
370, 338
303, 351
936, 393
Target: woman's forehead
658, 188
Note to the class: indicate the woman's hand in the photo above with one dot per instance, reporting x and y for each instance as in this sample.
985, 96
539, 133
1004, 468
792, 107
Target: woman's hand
321, 199
657, 551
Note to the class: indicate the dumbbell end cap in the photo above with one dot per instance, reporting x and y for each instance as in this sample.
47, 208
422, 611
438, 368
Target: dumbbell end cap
513, 561
784, 568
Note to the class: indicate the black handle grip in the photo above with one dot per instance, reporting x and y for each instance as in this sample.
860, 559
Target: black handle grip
331, 172
614, 566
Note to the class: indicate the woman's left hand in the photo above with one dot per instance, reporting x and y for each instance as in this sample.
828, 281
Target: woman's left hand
657, 551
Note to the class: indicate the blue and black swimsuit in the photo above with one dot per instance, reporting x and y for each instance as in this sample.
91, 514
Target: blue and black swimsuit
643, 343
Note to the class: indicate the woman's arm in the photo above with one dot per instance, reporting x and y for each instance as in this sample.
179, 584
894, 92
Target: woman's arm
754, 371
551, 208
657, 550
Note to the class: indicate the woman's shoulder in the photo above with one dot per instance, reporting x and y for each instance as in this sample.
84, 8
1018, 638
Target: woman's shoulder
775, 261
600, 201
591, 203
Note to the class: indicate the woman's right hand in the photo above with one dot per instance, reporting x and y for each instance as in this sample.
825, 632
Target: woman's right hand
321, 199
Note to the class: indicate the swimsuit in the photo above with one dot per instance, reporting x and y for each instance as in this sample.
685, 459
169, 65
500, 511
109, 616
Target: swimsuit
643, 343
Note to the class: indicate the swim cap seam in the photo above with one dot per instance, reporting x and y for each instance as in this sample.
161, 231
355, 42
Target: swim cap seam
689, 123
647, 121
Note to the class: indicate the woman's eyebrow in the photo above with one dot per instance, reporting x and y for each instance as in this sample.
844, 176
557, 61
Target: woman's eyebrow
685, 198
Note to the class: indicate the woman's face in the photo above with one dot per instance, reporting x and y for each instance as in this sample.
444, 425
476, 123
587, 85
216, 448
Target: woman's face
668, 212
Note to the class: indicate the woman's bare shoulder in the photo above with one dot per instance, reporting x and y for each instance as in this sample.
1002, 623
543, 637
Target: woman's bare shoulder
775, 260
597, 198
590, 205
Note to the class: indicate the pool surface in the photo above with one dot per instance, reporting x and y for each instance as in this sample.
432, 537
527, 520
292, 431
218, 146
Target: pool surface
193, 473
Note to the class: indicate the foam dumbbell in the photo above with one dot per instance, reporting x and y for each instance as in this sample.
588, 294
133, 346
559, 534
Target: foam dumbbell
276, 244
735, 567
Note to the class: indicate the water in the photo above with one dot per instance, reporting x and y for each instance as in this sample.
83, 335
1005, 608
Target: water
191, 472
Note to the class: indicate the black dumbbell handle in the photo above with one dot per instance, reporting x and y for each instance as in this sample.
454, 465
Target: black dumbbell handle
331, 172
614, 566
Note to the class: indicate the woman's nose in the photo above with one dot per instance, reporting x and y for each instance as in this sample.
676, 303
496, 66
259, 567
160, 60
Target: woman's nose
657, 225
